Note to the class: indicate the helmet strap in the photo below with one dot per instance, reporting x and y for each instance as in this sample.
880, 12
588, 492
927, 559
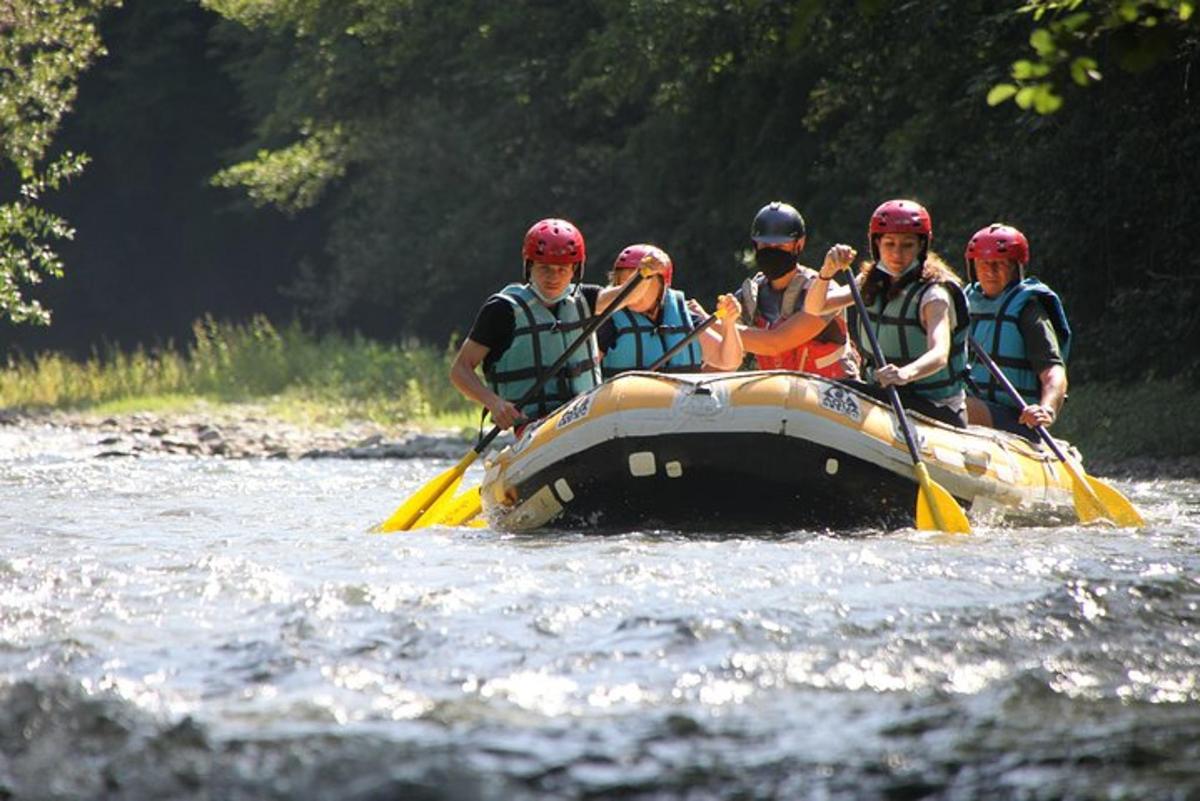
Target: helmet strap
551, 301
917, 262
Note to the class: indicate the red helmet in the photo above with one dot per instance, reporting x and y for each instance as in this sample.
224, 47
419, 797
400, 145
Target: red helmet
899, 217
999, 241
554, 241
631, 258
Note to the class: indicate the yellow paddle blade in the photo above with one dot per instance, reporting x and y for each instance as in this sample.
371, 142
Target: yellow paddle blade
1119, 508
1088, 505
403, 518
433, 515
1095, 500
464, 510
936, 508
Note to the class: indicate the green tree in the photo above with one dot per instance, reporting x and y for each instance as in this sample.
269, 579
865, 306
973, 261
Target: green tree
1071, 39
44, 47
646, 120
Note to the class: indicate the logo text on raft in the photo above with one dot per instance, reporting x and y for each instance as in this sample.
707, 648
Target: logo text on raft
576, 411
840, 400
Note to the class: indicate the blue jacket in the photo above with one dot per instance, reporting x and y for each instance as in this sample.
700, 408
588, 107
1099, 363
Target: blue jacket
639, 342
994, 327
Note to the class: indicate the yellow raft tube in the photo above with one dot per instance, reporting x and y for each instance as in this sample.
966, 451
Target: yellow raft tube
774, 450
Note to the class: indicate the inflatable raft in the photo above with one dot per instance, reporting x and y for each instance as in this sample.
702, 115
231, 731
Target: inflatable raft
760, 450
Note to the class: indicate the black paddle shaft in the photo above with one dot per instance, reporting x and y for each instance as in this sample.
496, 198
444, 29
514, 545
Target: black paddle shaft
880, 361
683, 343
589, 329
1000, 377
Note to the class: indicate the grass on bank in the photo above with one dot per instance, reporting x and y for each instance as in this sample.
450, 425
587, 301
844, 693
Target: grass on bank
292, 374
1115, 421
306, 379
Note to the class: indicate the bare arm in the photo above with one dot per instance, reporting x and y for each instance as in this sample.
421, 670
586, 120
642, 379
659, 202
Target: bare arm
822, 298
791, 333
465, 378
1054, 391
646, 291
722, 348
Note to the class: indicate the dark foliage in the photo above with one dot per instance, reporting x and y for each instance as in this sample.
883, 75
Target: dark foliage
429, 135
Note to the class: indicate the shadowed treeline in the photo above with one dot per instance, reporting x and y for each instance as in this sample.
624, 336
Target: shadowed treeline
410, 145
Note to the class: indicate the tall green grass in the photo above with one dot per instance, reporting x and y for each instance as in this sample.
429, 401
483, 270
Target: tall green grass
330, 376
1144, 418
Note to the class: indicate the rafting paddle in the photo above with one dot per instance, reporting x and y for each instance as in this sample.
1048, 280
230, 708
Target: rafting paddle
1094, 500
447, 481
467, 505
936, 507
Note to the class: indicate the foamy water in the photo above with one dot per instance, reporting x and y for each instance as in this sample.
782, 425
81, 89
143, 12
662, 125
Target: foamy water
182, 628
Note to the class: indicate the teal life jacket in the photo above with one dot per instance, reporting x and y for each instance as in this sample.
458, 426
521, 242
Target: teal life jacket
639, 342
540, 336
897, 326
994, 327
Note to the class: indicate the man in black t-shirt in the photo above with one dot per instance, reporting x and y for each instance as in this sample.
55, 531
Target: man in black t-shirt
522, 330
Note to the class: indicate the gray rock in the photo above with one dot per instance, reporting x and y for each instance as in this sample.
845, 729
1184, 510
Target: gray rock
114, 454
208, 433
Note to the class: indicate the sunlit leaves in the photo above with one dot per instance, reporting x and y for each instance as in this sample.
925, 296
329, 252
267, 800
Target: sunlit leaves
44, 47
1042, 41
1084, 69
1071, 34
720, 63
25, 229
1025, 70
291, 178
1000, 92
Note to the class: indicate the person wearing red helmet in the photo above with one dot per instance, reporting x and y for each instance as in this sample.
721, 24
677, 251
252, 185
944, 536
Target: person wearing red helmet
522, 330
776, 328
916, 306
657, 316
1021, 323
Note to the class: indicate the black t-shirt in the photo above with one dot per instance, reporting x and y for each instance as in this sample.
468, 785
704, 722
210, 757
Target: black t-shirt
494, 324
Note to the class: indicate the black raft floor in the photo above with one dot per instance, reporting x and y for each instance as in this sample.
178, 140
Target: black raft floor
727, 482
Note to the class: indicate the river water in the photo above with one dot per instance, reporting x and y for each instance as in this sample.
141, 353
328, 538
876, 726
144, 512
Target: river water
178, 628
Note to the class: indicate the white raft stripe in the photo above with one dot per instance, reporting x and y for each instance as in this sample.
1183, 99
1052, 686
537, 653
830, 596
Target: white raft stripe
702, 404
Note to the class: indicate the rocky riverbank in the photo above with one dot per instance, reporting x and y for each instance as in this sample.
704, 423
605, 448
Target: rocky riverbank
237, 433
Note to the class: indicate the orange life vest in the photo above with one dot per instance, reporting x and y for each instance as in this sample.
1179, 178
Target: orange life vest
826, 354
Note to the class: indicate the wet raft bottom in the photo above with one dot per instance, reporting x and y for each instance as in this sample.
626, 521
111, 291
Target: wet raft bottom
720, 482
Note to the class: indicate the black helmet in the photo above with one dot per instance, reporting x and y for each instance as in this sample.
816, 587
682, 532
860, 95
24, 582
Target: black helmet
777, 223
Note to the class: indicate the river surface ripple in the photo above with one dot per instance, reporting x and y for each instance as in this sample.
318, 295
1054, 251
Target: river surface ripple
207, 629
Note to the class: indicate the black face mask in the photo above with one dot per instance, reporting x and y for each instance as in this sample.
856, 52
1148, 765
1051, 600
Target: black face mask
774, 262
